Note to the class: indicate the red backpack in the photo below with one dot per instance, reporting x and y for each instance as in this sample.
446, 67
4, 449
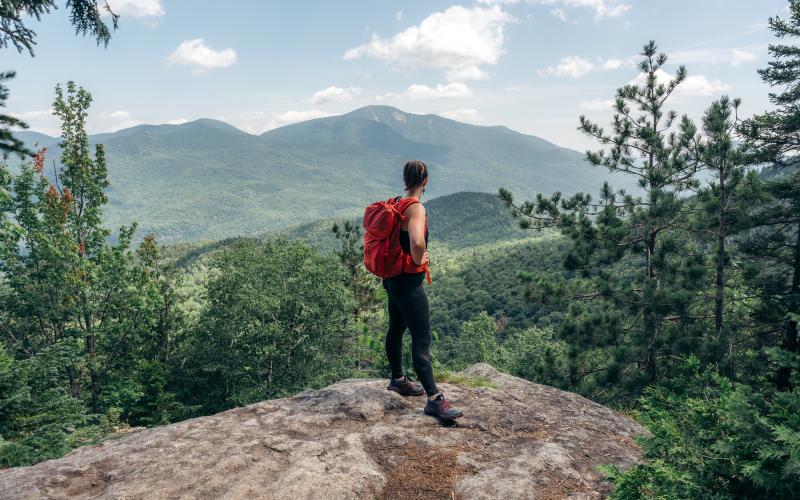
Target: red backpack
383, 255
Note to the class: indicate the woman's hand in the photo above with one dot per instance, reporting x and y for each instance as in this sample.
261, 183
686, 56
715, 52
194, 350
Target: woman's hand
425, 259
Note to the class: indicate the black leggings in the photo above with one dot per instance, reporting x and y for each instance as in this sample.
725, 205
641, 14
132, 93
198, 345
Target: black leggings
408, 307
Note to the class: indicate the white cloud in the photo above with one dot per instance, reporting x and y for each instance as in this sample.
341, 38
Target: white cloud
137, 8
123, 119
559, 14
602, 8
257, 122
33, 115
40, 120
598, 104
123, 125
177, 121
577, 67
119, 115
119, 119
464, 115
733, 56
741, 56
201, 57
518, 88
295, 116
335, 94
571, 66
418, 91
699, 85
459, 40
692, 86
454, 89
468, 73
612, 63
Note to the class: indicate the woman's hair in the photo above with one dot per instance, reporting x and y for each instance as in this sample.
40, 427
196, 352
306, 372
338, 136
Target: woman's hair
414, 172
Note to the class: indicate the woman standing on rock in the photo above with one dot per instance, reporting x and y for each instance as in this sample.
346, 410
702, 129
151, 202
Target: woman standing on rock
408, 303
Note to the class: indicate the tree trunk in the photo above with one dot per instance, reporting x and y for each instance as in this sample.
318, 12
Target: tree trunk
790, 332
269, 374
164, 327
720, 281
91, 349
74, 388
650, 319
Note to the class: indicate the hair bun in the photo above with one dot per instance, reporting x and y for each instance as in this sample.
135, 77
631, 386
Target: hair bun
414, 173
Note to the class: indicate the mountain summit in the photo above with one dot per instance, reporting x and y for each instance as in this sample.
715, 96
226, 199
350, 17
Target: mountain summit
206, 179
352, 440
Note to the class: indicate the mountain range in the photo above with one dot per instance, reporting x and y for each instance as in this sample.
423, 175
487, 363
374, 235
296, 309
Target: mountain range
208, 180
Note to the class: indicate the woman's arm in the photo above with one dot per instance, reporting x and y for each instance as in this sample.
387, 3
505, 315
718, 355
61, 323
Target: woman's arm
416, 233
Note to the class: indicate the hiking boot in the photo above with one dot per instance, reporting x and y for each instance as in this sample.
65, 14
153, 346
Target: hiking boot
405, 387
440, 408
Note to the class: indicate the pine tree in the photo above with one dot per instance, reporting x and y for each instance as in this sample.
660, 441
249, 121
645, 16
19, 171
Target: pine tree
720, 211
364, 285
646, 314
775, 135
774, 138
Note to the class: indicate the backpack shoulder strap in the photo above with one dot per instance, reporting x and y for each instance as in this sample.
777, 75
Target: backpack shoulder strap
404, 203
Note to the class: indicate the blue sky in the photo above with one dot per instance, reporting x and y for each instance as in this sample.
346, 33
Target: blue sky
532, 65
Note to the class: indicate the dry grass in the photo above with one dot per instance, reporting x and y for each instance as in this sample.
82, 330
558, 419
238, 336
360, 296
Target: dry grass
449, 377
415, 471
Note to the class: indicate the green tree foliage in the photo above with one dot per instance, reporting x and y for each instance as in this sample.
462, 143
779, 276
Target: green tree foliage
477, 342
370, 299
721, 213
278, 320
8, 143
644, 315
734, 434
774, 246
535, 354
773, 264
773, 135
491, 278
89, 322
714, 438
86, 16
39, 419
364, 285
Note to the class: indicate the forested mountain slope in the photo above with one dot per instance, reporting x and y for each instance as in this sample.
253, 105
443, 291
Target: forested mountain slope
456, 221
209, 180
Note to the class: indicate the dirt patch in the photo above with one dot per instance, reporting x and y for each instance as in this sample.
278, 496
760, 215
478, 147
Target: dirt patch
88, 482
564, 489
415, 471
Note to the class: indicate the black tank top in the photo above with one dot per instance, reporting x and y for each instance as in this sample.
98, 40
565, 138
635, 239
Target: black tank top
405, 240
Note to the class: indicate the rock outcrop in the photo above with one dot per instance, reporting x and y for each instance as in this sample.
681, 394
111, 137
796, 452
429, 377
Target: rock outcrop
355, 439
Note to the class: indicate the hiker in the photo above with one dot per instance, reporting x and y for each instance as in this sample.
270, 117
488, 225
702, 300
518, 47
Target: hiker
403, 273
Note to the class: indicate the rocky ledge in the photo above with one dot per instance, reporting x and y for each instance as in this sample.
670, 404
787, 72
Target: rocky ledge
355, 439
